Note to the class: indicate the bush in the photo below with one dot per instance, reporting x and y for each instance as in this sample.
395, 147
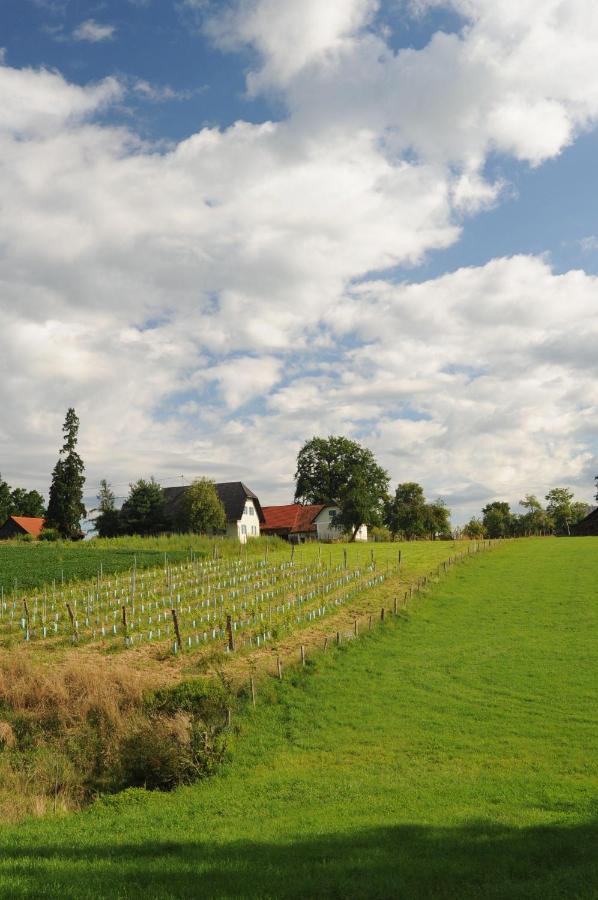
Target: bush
49, 534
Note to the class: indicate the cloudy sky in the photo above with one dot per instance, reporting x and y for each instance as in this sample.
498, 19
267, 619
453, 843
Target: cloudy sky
227, 227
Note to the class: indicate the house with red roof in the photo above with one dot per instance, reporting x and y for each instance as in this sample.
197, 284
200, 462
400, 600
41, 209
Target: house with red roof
297, 522
17, 526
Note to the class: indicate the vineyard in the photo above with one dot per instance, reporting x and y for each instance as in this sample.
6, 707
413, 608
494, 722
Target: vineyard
241, 601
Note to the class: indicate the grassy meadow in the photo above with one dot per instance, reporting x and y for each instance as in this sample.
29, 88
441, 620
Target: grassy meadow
449, 753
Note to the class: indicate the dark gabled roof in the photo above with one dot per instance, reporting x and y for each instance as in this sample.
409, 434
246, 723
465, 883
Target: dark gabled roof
233, 495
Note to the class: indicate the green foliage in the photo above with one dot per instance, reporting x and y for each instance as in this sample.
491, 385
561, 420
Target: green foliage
536, 520
326, 467
65, 506
408, 514
19, 502
563, 509
360, 503
474, 529
51, 535
142, 512
438, 519
497, 519
206, 699
203, 512
107, 522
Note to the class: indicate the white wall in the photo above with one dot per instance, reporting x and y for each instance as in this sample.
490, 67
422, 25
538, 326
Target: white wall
328, 531
248, 525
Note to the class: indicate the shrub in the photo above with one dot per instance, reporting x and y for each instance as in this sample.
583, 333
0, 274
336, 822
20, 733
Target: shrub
49, 534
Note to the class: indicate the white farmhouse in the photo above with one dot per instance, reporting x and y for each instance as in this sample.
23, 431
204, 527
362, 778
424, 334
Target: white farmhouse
244, 515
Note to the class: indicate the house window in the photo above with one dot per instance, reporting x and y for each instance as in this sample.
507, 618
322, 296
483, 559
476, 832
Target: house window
243, 529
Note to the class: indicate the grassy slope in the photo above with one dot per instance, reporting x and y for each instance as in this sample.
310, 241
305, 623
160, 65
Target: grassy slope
451, 754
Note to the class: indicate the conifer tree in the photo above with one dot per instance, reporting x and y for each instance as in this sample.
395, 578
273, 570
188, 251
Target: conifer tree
107, 522
65, 506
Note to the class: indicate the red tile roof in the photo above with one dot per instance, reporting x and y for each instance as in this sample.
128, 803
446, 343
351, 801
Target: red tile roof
294, 517
29, 524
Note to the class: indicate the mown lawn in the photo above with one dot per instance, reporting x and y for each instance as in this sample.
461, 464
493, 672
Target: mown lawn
450, 753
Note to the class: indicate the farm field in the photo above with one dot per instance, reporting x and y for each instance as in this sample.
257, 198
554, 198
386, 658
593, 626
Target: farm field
26, 566
265, 591
449, 753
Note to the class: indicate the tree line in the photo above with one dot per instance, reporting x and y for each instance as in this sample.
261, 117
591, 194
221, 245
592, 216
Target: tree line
561, 511
333, 471
19, 502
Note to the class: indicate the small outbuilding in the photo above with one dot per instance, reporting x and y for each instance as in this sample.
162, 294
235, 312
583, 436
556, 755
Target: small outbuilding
17, 526
587, 526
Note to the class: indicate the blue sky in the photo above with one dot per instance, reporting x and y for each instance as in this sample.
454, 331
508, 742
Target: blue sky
245, 223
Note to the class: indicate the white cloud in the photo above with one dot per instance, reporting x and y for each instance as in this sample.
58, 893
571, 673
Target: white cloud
93, 32
290, 36
208, 307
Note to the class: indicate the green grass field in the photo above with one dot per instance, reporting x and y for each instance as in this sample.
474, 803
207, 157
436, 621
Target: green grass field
450, 753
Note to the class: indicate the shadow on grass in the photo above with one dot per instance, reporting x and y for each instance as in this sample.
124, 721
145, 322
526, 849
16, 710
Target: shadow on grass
480, 860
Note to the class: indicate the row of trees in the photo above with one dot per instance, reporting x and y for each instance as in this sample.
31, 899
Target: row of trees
144, 510
498, 520
333, 470
19, 502
340, 471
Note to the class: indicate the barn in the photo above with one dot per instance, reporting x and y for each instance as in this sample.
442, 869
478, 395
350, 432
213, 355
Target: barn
17, 526
587, 526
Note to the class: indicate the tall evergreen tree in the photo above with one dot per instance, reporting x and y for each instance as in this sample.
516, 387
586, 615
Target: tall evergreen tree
65, 506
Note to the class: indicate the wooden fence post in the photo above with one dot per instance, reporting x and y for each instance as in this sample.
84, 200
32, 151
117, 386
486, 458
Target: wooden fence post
230, 633
302, 655
382, 612
252, 686
175, 621
72, 618
356, 627
279, 668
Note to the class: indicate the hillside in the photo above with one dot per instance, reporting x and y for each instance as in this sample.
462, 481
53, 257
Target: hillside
448, 753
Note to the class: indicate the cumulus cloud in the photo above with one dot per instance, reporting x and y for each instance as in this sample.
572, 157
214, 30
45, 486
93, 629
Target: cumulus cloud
93, 32
209, 306
290, 36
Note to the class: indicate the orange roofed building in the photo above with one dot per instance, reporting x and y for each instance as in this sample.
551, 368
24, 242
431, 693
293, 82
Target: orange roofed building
298, 523
17, 526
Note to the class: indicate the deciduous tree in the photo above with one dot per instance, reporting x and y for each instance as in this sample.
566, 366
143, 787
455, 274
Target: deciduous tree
498, 519
203, 511
340, 471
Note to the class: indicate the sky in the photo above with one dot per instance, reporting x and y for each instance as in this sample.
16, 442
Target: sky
226, 227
